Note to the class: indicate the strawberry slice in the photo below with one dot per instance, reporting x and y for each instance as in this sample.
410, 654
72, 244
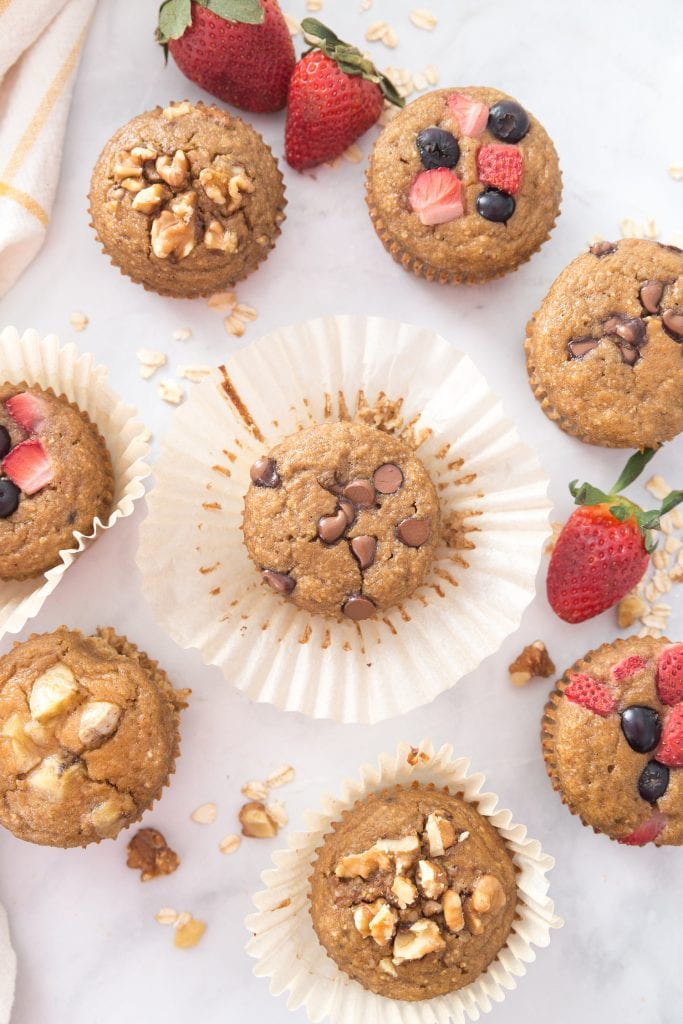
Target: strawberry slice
470, 115
500, 167
628, 667
670, 749
670, 675
647, 832
27, 410
436, 196
29, 466
590, 694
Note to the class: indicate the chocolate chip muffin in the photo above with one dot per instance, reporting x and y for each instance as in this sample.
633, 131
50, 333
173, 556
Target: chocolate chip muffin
186, 199
613, 740
463, 185
56, 478
342, 518
413, 893
605, 349
88, 736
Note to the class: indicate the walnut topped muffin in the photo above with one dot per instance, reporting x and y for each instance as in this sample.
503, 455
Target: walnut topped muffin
186, 199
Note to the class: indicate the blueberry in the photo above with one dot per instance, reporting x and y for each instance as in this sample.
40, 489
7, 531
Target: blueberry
492, 204
641, 727
5, 443
9, 498
508, 121
437, 148
653, 781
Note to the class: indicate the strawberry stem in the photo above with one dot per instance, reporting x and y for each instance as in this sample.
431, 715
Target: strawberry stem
349, 58
633, 468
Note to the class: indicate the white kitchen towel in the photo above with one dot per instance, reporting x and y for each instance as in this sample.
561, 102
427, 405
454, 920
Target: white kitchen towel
40, 44
8, 970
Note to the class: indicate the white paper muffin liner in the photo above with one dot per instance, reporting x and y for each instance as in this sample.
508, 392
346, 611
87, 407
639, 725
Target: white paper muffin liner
28, 357
287, 948
8, 970
206, 593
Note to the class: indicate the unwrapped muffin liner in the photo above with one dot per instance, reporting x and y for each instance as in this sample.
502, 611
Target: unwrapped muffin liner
8, 969
287, 949
40, 361
206, 593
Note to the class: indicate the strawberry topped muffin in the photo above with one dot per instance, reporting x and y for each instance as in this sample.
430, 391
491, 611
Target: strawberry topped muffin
463, 185
56, 478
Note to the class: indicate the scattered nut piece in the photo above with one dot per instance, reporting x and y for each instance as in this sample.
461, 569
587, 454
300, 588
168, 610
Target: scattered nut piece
421, 938
167, 915
205, 814
149, 851
281, 776
230, 844
415, 755
423, 18
256, 822
629, 609
533, 662
78, 320
150, 360
452, 911
189, 933
171, 392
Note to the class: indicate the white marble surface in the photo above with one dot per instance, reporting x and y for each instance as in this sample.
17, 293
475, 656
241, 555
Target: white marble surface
605, 80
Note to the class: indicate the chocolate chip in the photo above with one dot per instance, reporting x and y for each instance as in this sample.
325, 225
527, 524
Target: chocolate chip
388, 478
602, 248
671, 248
348, 508
280, 582
579, 347
264, 474
413, 531
360, 492
650, 295
632, 329
629, 355
330, 528
672, 319
364, 549
358, 607
609, 325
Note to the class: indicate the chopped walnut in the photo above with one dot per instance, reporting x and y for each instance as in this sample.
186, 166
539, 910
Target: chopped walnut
629, 610
383, 925
149, 199
533, 661
406, 844
173, 170
220, 238
362, 865
127, 166
416, 942
404, 891
173, 231
256, 822
149, 851
440, 834
488, 895
176, 110
431, 879
387, 967
452, 911
363, 915
238, 184
188, 933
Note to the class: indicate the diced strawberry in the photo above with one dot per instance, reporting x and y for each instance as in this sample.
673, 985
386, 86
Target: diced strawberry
670, 749
29, 466
647, 832
670, 675
590, 694
628, 667
471, 116
500, 167
436, 196
27, 410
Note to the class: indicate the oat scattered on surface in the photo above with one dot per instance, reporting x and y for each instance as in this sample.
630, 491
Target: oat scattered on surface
78, 320
188, 934
277, 813
182, 334
205, 815
657, 486
150, 360
421, 17
630, 229
281, 776
195, 372
293, 26
419, 81
431, 73
365, 5
255, 790
230, 844
354, 154
240, 315
314, 5
222, 302
381, 32
167, 915
171, 392
676, 171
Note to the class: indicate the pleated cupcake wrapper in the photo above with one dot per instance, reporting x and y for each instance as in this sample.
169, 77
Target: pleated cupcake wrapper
286, 947
8, 970
206, 593
35, 360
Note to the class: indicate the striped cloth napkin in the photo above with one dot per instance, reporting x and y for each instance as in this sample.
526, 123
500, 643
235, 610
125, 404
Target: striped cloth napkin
40, 44
8, 970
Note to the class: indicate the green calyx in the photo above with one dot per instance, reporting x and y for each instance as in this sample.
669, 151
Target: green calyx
349, 58
176, 15
621, 508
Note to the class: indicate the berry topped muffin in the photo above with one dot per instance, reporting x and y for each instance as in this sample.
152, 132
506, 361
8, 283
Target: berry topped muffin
605, 349
613, 740
56, 479
463, 185
186, 199
342, 518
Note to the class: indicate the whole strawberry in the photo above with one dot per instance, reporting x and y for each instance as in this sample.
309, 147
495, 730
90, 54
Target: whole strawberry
335, 95
604, 548
238, 50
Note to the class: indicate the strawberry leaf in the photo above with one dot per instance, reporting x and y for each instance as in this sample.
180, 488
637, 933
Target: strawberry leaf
349, 59
249, 12
586, 494
174, 17
633, 468
671, 500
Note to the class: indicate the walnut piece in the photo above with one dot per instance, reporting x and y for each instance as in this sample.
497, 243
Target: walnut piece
629, 610
440, 834
387, 967
452, 910
52, 776
173, 231
105, 817
405, 844
173, 170
256, 822
533, 661
362, 865
404, 891
149, 199
24, 751
149, 852
188, 933
363, 915
383, 925
176, 110
421, 938
99, 720
431, 879
488, 895
53, 692
219, 238
127, 166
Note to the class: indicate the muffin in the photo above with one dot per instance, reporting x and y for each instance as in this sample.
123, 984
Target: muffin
88, 736
413, 893
605, 349
56, 478
463, 185
612, 739
341, 518
187, 199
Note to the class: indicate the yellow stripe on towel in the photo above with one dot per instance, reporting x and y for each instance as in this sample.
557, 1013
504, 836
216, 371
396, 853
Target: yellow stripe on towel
25, 200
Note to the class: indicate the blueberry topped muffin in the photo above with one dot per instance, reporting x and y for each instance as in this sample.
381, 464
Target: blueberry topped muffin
605, 349
186, 199
88, 736
613, 740
56, 478
463, 185
342, 518
413, 893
